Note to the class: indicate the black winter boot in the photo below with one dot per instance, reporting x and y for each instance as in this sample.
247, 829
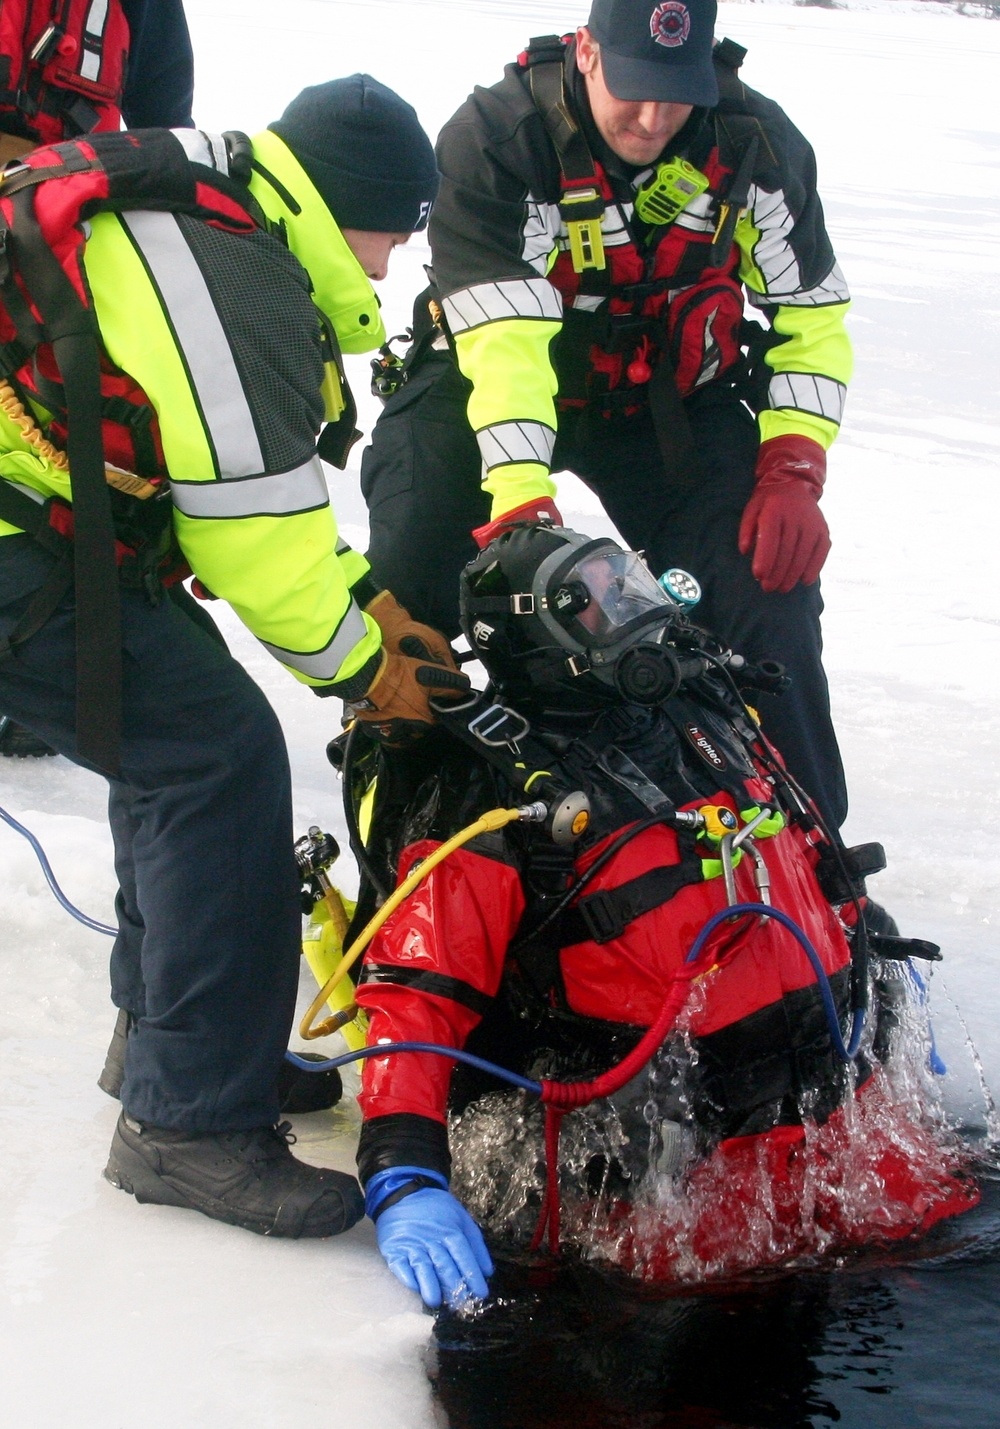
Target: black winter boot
111, 1078
298, 1092
245, 1178
16, 742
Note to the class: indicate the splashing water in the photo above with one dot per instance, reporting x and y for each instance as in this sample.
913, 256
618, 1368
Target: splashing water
991, 1113
641, 1189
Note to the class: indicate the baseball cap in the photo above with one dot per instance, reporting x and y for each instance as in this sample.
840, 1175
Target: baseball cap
657, 49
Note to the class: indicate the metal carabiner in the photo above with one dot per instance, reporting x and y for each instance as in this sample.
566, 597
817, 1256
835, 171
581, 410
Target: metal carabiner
728, 875
761, 875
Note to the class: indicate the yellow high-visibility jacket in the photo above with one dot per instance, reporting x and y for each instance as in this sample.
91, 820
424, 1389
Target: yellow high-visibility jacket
224, 333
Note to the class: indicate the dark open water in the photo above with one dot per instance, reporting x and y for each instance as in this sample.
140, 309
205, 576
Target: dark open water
896, 1341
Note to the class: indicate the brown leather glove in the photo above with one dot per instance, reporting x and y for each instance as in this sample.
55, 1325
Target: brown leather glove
399, 630
416, 663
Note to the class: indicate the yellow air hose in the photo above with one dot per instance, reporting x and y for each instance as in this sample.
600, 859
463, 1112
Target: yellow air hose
489, 823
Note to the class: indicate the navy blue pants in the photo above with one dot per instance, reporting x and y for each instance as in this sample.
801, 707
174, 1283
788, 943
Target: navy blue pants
421, 475
207, 952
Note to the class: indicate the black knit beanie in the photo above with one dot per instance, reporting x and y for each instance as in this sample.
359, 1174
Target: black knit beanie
363, 148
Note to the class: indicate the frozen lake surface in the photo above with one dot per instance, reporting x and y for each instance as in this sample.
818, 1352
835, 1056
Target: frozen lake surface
114, 1314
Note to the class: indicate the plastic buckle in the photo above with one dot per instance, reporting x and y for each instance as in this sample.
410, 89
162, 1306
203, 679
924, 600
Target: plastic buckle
578, 665
582, 211
602, 919
545, 49
522, 604
491, 726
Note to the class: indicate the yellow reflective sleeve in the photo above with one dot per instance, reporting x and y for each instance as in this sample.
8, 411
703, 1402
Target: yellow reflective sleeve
281, 576
817, 341
515, 485
786, 421
512, 379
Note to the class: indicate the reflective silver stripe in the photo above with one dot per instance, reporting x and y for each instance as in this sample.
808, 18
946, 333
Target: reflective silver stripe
587, 302
301, 489
773, 255
492, 302
324, 664
832, 290
712, 352
772, 252
93, 40
202, 148
508, 442
202, 340
540, 233
26, 491
808, 392
698, 216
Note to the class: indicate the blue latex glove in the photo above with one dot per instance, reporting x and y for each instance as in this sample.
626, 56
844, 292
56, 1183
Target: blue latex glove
431, 1243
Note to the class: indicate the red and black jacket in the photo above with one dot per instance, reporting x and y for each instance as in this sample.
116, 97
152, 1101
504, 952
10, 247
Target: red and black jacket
540, 341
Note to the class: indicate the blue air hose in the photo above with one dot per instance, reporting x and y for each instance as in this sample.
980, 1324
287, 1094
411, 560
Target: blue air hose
51, 879
385, 1048
846, 1053
764, 910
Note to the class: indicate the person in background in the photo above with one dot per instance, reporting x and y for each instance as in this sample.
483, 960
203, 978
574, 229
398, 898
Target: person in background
606, 210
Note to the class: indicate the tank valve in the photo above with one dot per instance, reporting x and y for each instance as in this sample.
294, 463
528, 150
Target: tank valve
568, 818
314, 854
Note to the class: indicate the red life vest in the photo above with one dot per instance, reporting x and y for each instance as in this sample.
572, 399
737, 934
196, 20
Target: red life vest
680, 296
43, 207
62, 67
670, 297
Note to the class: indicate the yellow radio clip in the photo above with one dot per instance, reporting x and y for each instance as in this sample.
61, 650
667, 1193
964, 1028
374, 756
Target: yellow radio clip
672, 186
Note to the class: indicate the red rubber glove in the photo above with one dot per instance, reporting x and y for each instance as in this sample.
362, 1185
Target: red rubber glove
782, 523
544, 509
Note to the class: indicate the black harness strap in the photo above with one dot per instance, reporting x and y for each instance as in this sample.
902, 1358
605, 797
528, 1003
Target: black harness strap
436, 984
32, 517
69, 327
601, 916
546, 58
546, 61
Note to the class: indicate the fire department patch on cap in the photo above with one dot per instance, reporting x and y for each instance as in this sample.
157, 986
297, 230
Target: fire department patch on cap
670, 24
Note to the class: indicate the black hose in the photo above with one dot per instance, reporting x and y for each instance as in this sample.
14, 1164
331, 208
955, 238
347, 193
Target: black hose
354, 838
603, 858
859, 944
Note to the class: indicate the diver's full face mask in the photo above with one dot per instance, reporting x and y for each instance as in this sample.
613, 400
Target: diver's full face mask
597, 602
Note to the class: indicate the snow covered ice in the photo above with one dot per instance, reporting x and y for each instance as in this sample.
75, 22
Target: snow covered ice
111, 1310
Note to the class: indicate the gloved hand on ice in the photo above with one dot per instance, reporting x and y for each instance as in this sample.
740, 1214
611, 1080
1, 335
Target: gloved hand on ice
427, 1237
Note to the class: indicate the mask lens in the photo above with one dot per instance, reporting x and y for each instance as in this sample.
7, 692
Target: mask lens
621, 589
